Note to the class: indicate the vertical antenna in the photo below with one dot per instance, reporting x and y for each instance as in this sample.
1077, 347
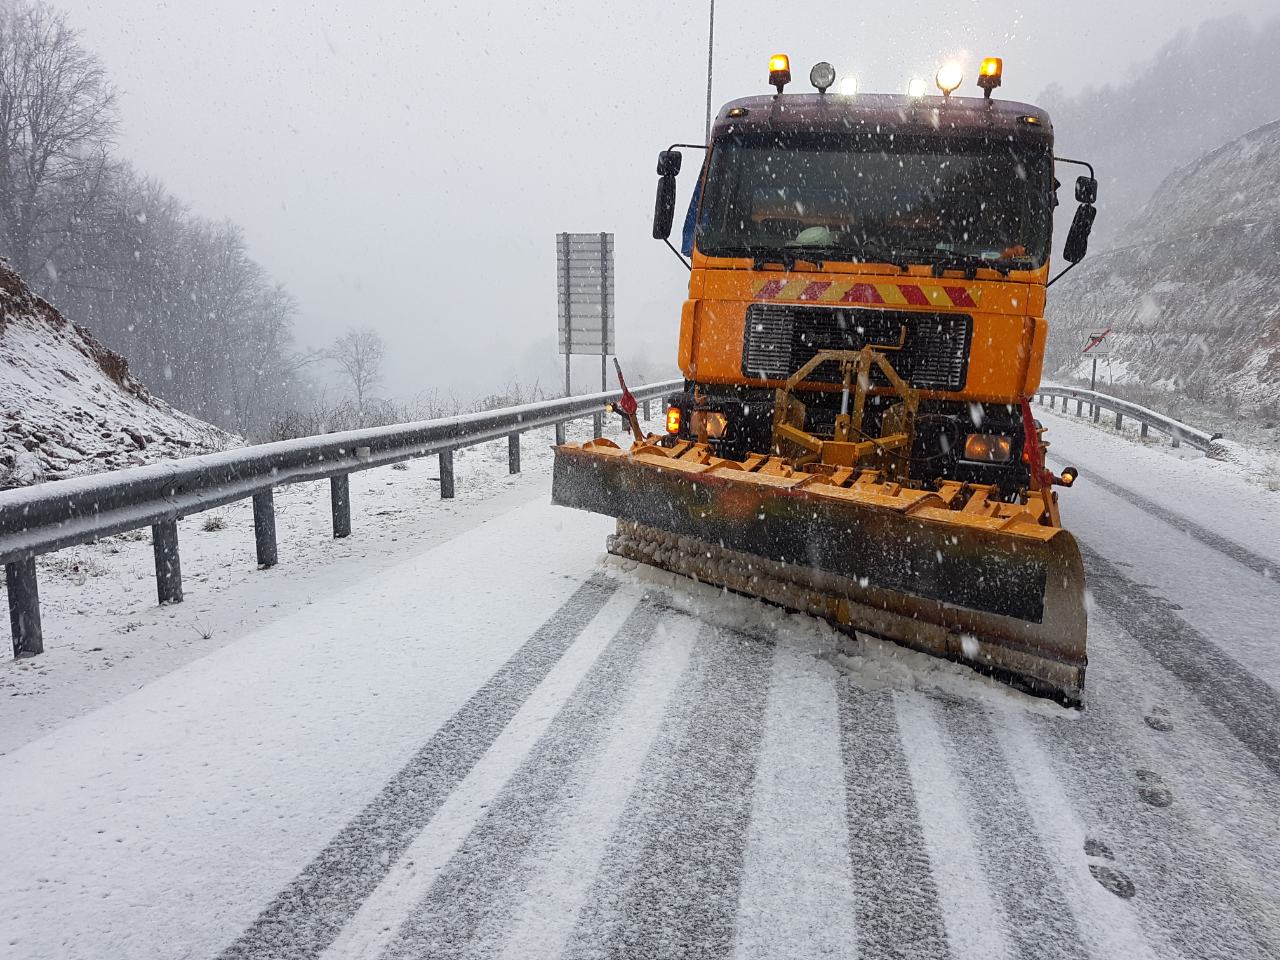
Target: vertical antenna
711, 38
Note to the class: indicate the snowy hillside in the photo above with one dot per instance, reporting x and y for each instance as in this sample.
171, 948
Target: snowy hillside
1190, 290
68, 405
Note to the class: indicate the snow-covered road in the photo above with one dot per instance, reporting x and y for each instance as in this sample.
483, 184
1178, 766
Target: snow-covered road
501, 745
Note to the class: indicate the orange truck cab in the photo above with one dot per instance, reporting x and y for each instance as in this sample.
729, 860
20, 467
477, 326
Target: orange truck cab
917, 225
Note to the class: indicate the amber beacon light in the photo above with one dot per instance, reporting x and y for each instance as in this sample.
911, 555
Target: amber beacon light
779, 70
989, 74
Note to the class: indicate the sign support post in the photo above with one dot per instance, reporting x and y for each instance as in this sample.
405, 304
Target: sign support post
604, 311
1095, 347
568, 311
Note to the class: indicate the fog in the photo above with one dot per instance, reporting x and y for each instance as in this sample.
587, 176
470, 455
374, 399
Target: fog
408, 168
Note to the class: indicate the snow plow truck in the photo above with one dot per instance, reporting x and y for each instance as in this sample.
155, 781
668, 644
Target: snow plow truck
863, 333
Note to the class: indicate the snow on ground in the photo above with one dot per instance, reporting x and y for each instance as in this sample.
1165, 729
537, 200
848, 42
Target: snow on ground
106, 635
564, 765
464, 733
1196, 535
69, 406
1236, 490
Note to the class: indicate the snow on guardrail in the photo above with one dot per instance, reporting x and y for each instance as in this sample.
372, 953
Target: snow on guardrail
1176, 430
48, 517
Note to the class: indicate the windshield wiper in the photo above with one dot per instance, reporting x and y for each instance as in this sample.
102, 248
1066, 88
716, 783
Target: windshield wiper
969, 264
939, 260
761, 257
861, 254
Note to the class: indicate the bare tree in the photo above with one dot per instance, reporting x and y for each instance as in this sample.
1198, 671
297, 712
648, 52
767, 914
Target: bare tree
57, 118
358, 353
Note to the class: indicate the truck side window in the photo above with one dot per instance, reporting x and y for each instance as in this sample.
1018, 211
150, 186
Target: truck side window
690, 218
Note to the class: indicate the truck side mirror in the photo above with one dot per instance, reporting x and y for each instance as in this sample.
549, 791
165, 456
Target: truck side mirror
669, 163
1086, 190
664, 208
1077, 244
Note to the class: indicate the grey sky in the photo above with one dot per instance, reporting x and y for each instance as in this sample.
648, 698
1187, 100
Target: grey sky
407, 165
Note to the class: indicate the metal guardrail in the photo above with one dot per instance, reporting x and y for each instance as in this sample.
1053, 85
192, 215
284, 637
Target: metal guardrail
51, 516
1145, 417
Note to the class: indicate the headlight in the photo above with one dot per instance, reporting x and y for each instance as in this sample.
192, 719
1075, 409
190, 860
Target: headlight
712, 421
988, 448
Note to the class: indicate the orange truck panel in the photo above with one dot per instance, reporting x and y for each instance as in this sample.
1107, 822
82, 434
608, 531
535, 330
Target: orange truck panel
1006, 353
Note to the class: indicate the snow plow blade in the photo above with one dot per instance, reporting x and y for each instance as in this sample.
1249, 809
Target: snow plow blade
952, 573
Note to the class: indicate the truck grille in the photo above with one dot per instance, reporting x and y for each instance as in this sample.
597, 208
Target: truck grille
780, 338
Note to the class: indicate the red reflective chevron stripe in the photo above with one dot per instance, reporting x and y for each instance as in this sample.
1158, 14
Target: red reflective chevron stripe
770, 288
814, 290
862, 293
960, 296
913, 295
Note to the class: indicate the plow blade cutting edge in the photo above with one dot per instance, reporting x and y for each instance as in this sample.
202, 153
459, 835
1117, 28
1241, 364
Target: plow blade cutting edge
1003, 596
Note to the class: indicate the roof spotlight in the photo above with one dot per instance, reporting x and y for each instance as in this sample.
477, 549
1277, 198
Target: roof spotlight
848, 86
779, 70
917, 87
948, 78
822, 76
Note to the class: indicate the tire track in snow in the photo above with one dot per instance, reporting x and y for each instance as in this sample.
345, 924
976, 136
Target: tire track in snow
1108, 924
1184, 891
308, 915
1174, 733
408, 882
897, 910
977, 929
474, 890
1246, 705
669, 883
562, 868
797, 897
1214, 541
1014, 860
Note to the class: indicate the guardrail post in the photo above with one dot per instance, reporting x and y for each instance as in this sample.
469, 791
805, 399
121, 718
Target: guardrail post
264, 527
1176, 437
1053, 402
164, 544
446, 474
560, 433
1079, 407
513, 452
1119, 420
597, 425
24, 607
1097, 413
1142, 429
646, 410
340, 499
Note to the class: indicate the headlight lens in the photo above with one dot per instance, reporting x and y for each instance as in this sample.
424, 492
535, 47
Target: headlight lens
712, 421
988, 448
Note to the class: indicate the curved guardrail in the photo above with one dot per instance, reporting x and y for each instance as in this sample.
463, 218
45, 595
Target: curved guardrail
63, 513
1144, 416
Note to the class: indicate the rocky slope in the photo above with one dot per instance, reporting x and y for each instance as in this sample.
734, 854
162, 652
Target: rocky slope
1192, 289
69, 406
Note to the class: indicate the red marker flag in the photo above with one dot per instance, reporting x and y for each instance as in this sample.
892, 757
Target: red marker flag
627, 405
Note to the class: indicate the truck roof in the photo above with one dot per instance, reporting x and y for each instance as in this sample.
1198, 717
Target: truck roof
885, 112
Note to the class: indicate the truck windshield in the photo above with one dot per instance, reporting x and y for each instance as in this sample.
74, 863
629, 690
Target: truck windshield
917, 199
